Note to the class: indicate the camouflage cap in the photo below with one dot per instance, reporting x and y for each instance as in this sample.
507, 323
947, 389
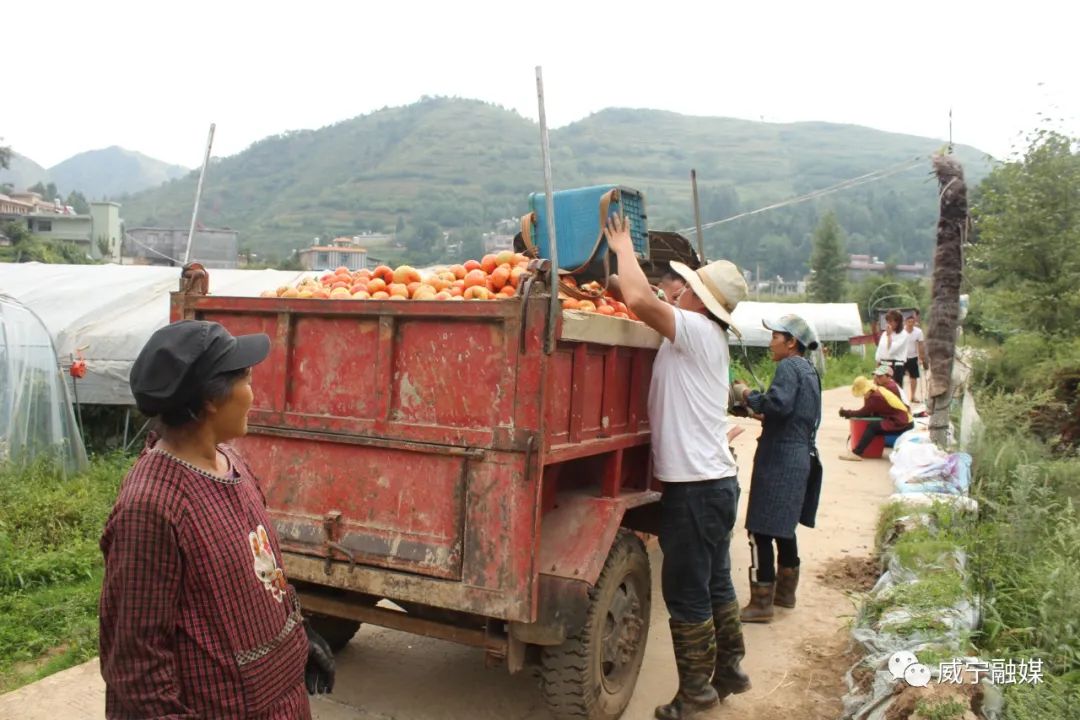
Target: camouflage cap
796, 327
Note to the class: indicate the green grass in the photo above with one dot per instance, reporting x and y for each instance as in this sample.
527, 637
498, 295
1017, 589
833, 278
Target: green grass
940, 709
1056, 697
1023, 552
931, 592
51, 567
841, 366
1022, 561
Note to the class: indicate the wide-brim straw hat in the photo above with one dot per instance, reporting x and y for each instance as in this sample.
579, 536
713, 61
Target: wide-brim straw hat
861, 385
720, 286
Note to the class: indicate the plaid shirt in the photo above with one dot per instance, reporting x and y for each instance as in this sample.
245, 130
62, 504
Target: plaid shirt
197, 620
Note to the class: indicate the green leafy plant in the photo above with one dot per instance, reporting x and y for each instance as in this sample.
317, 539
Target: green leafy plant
50, 565
940, 709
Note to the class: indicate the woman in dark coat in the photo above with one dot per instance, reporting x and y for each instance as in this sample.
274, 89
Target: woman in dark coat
779, 497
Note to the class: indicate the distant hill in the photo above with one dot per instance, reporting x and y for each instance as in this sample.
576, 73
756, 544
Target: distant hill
22, 173
112, 171
464, 164
97, 174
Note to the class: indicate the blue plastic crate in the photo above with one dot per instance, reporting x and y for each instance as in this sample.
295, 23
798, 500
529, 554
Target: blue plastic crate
578, 223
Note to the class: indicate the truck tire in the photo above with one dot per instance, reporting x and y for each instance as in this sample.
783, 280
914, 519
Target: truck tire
591, 676
336, 631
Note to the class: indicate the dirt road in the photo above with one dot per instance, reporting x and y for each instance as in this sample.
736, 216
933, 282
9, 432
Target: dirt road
796, 662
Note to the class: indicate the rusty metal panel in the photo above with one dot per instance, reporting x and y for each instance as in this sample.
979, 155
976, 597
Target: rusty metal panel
559, 386
592, 390
381, 582
395, 619
530, 368
575, 536
264, 377
426, 374
398, 509
500, 528
452, 373
330, 371
617, 392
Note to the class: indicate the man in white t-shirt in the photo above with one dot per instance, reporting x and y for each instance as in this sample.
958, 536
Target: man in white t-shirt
916, 352
688, 400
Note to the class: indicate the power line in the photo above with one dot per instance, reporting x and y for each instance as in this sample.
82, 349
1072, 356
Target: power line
814, 194
150, 249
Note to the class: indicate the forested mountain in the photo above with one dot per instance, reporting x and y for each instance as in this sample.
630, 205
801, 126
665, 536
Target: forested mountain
460, 165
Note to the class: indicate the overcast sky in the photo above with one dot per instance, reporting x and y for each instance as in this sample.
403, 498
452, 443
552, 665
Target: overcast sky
152, 76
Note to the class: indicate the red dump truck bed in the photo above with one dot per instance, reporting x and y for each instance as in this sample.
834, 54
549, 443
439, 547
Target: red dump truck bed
431, 453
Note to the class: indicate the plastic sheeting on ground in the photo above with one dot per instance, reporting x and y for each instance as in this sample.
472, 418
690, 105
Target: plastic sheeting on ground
36, 417
111, 311
833, 322
919, 466
895, 632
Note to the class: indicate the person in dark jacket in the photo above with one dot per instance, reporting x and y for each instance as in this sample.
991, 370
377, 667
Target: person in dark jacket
878, 402
790, 411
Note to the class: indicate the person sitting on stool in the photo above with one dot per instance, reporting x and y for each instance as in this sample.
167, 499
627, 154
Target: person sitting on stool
883, 378
877, 402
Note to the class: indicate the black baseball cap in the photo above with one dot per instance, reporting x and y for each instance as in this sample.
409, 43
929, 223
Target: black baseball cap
180, 358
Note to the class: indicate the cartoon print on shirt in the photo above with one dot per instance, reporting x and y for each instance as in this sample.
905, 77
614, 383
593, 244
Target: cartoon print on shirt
266, 567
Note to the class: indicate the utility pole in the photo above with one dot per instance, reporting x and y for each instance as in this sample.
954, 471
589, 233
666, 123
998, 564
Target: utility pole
198, 195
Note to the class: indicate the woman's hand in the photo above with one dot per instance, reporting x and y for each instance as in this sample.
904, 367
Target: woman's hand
740, 390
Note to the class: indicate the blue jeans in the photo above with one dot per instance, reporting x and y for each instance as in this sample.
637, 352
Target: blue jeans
696, 524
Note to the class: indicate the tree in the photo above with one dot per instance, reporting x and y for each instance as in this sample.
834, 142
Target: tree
292, 262
828, 261
1026, 254
79, 202
5, 156
948, 271
422, 242
28, 248
47, 192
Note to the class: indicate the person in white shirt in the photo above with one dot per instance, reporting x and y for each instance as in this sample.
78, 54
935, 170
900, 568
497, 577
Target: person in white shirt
892, 345
916, 352
688, 399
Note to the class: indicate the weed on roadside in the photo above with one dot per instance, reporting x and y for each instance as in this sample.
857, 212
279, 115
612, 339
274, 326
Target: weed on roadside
50, 566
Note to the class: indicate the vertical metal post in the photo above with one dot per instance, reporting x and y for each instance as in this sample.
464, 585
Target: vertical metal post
198, 194
555, 307
127, 424
697, 217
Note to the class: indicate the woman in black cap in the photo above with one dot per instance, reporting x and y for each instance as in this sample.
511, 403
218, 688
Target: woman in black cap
781, 492
197, 619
